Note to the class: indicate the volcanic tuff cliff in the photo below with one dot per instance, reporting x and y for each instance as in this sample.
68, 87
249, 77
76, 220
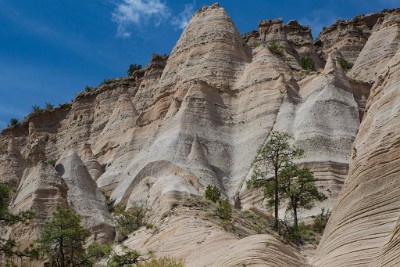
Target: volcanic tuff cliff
199, 116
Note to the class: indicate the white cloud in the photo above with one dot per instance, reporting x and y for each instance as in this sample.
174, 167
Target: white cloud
136, 12
182, 20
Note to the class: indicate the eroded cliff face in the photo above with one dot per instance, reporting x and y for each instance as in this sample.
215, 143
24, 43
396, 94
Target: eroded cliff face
362, 230
198, 117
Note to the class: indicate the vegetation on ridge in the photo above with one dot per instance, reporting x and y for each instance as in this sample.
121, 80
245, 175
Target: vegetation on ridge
132, 68
13, 121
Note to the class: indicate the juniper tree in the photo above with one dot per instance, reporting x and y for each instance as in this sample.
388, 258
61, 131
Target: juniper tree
273, 156
62, 241
8, 246
297, 185
132, 68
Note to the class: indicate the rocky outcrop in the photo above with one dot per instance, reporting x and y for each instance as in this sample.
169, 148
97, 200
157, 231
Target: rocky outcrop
362, 230
84, 197
205, 110
380, 48
92, 165
350, 36
41, 189
346, 36
12, 165
310, 113
294, 39
201, 241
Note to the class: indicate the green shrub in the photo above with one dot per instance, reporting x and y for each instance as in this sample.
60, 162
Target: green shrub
224, 210
276, 48
162, 262
110, 202
49, 107
307, 63
212, 193
321, 220
90, 89
134, 258
127, 258
256, 44
344, 64
226, 86
36, 109
107, 81
359, 29
128, 221
300, 235
14, 121
51, 162
150, 226
65, 105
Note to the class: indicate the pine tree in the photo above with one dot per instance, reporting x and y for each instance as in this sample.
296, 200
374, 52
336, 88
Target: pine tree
275, 154
297, 185
62, 241
8, 246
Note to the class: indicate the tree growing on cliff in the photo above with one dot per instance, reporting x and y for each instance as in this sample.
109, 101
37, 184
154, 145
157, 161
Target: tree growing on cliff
297, 185
132, 68
8, 246
62, 241
273, 156
13, 121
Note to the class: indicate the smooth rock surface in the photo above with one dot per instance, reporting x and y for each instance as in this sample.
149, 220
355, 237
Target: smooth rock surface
362, 230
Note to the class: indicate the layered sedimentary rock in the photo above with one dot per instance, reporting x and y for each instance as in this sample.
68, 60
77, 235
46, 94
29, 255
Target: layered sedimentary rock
202, 243
379, 49
41, 189
84, 197
12, 165
347, 36
199, 116
324, 124
363, 228
296, 41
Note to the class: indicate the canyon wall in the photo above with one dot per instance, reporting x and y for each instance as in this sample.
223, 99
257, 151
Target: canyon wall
199, 116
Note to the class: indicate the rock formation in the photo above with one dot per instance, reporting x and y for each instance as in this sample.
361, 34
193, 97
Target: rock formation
41, 189
363, 229
84, 197
379, 49
199, 116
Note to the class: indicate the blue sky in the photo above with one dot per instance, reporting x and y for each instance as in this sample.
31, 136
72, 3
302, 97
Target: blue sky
50, 50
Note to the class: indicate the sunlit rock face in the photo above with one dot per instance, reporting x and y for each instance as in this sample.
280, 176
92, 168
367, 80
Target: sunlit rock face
363, 229
199, 116
379, 49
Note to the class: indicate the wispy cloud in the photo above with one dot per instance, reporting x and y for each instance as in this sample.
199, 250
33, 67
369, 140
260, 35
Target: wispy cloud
136, 12
182, 20
130, 13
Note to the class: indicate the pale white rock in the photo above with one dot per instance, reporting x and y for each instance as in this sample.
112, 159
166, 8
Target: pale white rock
363, 228
379, 49
84, 197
